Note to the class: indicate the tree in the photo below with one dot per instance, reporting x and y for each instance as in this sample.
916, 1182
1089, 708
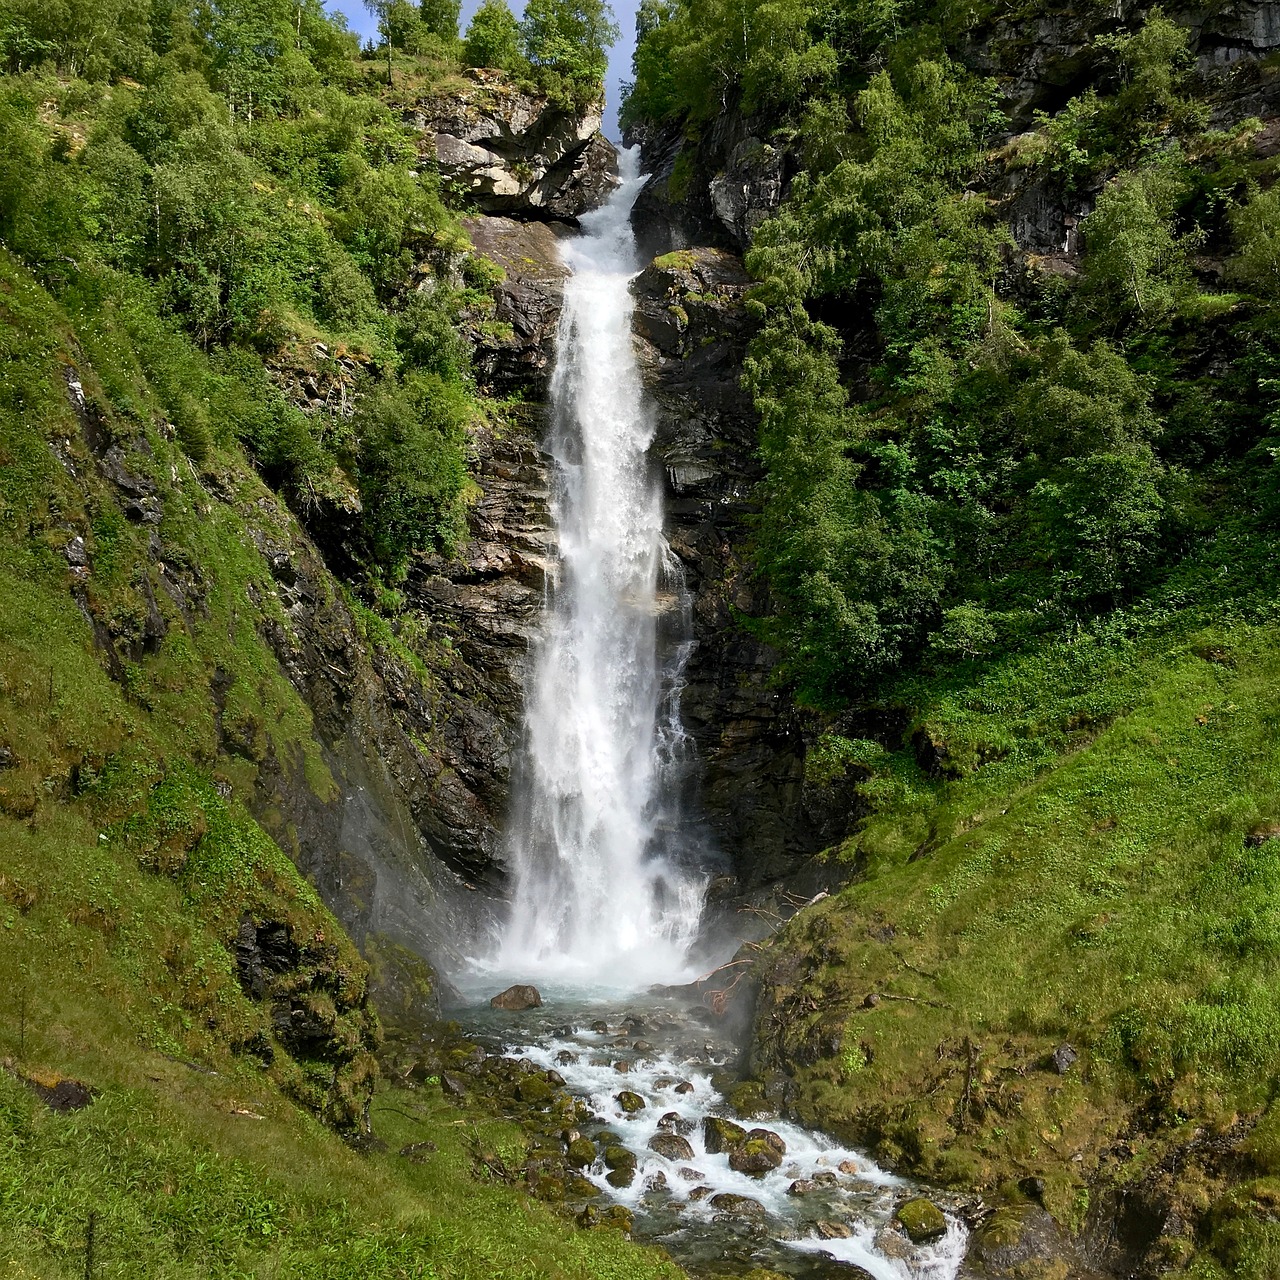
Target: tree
385, 12
570, 37
493, 38
440, 17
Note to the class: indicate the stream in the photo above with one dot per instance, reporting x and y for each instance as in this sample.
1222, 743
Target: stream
824, 1212
608, 875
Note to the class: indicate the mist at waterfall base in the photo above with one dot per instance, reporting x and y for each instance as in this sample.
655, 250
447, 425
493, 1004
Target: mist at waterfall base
606, 884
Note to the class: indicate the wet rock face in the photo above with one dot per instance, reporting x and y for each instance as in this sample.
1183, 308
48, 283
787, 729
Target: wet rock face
516, 152
514, 347
716, 191
693, 330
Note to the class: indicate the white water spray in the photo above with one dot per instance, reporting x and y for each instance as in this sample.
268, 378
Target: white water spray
597, 897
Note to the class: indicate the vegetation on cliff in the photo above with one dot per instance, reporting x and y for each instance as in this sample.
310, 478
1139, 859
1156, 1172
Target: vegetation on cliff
1016, 377
229, 286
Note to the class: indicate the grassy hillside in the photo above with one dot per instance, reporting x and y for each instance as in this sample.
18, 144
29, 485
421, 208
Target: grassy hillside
139, 699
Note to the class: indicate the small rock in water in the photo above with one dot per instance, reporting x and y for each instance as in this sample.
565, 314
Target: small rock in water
516, 999
922, 1220
621, 1177
664, 1082
700, 1193
684, 1087
600, 1028
832, 1230
555, 1079
720, 1135
642, 1046
774, 1140
566, 1059
618, 1157
674, 1122
562, 1033
727, 1202
671, 1146
1063, 1057
690, 1175
629, 1102
656, 1181
754, 1156
850, 1167
622, 1067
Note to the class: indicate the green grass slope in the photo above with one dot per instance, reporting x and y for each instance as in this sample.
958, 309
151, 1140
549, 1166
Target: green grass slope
139, 698
1101, 870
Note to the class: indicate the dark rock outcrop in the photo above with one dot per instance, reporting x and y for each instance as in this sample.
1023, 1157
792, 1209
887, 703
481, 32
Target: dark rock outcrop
514, 345
694, 328
517, 152
715, 191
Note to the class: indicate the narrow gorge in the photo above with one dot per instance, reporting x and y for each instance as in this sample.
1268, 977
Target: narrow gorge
701, 707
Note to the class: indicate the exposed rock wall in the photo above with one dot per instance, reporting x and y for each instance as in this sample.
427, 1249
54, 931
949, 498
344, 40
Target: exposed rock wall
515, 152
693, 329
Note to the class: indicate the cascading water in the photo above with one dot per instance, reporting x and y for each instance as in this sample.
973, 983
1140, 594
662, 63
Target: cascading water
599, 895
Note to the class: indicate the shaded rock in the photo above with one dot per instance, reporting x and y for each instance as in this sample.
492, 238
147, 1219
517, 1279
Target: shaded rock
452, 1087
534, 1091
517, 998
742, 1206
684, 1087
922, 1220
621, 1177
581, 1153
671, 1146
674, 1122
720, 1135
832, 1230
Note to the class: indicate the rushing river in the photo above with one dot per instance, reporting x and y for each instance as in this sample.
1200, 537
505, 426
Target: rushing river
608, 886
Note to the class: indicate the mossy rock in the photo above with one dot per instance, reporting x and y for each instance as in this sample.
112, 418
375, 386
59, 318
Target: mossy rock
622, 1177
922, 1220
720, 1135
534, 1091
618, 1157
581, 1153
748, 1101
630, 1102
619, 1218
756, 1156
580, 1188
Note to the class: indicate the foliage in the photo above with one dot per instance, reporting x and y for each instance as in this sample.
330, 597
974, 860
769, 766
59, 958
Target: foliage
569, 38
493, 38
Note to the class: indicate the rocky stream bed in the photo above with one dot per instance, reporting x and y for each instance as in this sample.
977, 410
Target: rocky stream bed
627, 1104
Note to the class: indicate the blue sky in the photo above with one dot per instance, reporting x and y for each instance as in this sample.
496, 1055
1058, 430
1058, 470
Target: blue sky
361, 20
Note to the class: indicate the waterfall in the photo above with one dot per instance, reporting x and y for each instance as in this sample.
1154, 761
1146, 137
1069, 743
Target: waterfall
602, 892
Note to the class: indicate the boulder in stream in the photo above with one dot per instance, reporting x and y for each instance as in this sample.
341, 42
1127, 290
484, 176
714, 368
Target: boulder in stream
743, 1206
671, 1146
754, 1156
922, 1220
630, 1102
516, 999
720, 1135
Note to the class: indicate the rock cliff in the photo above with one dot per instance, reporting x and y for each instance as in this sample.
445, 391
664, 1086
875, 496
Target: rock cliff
514, 151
